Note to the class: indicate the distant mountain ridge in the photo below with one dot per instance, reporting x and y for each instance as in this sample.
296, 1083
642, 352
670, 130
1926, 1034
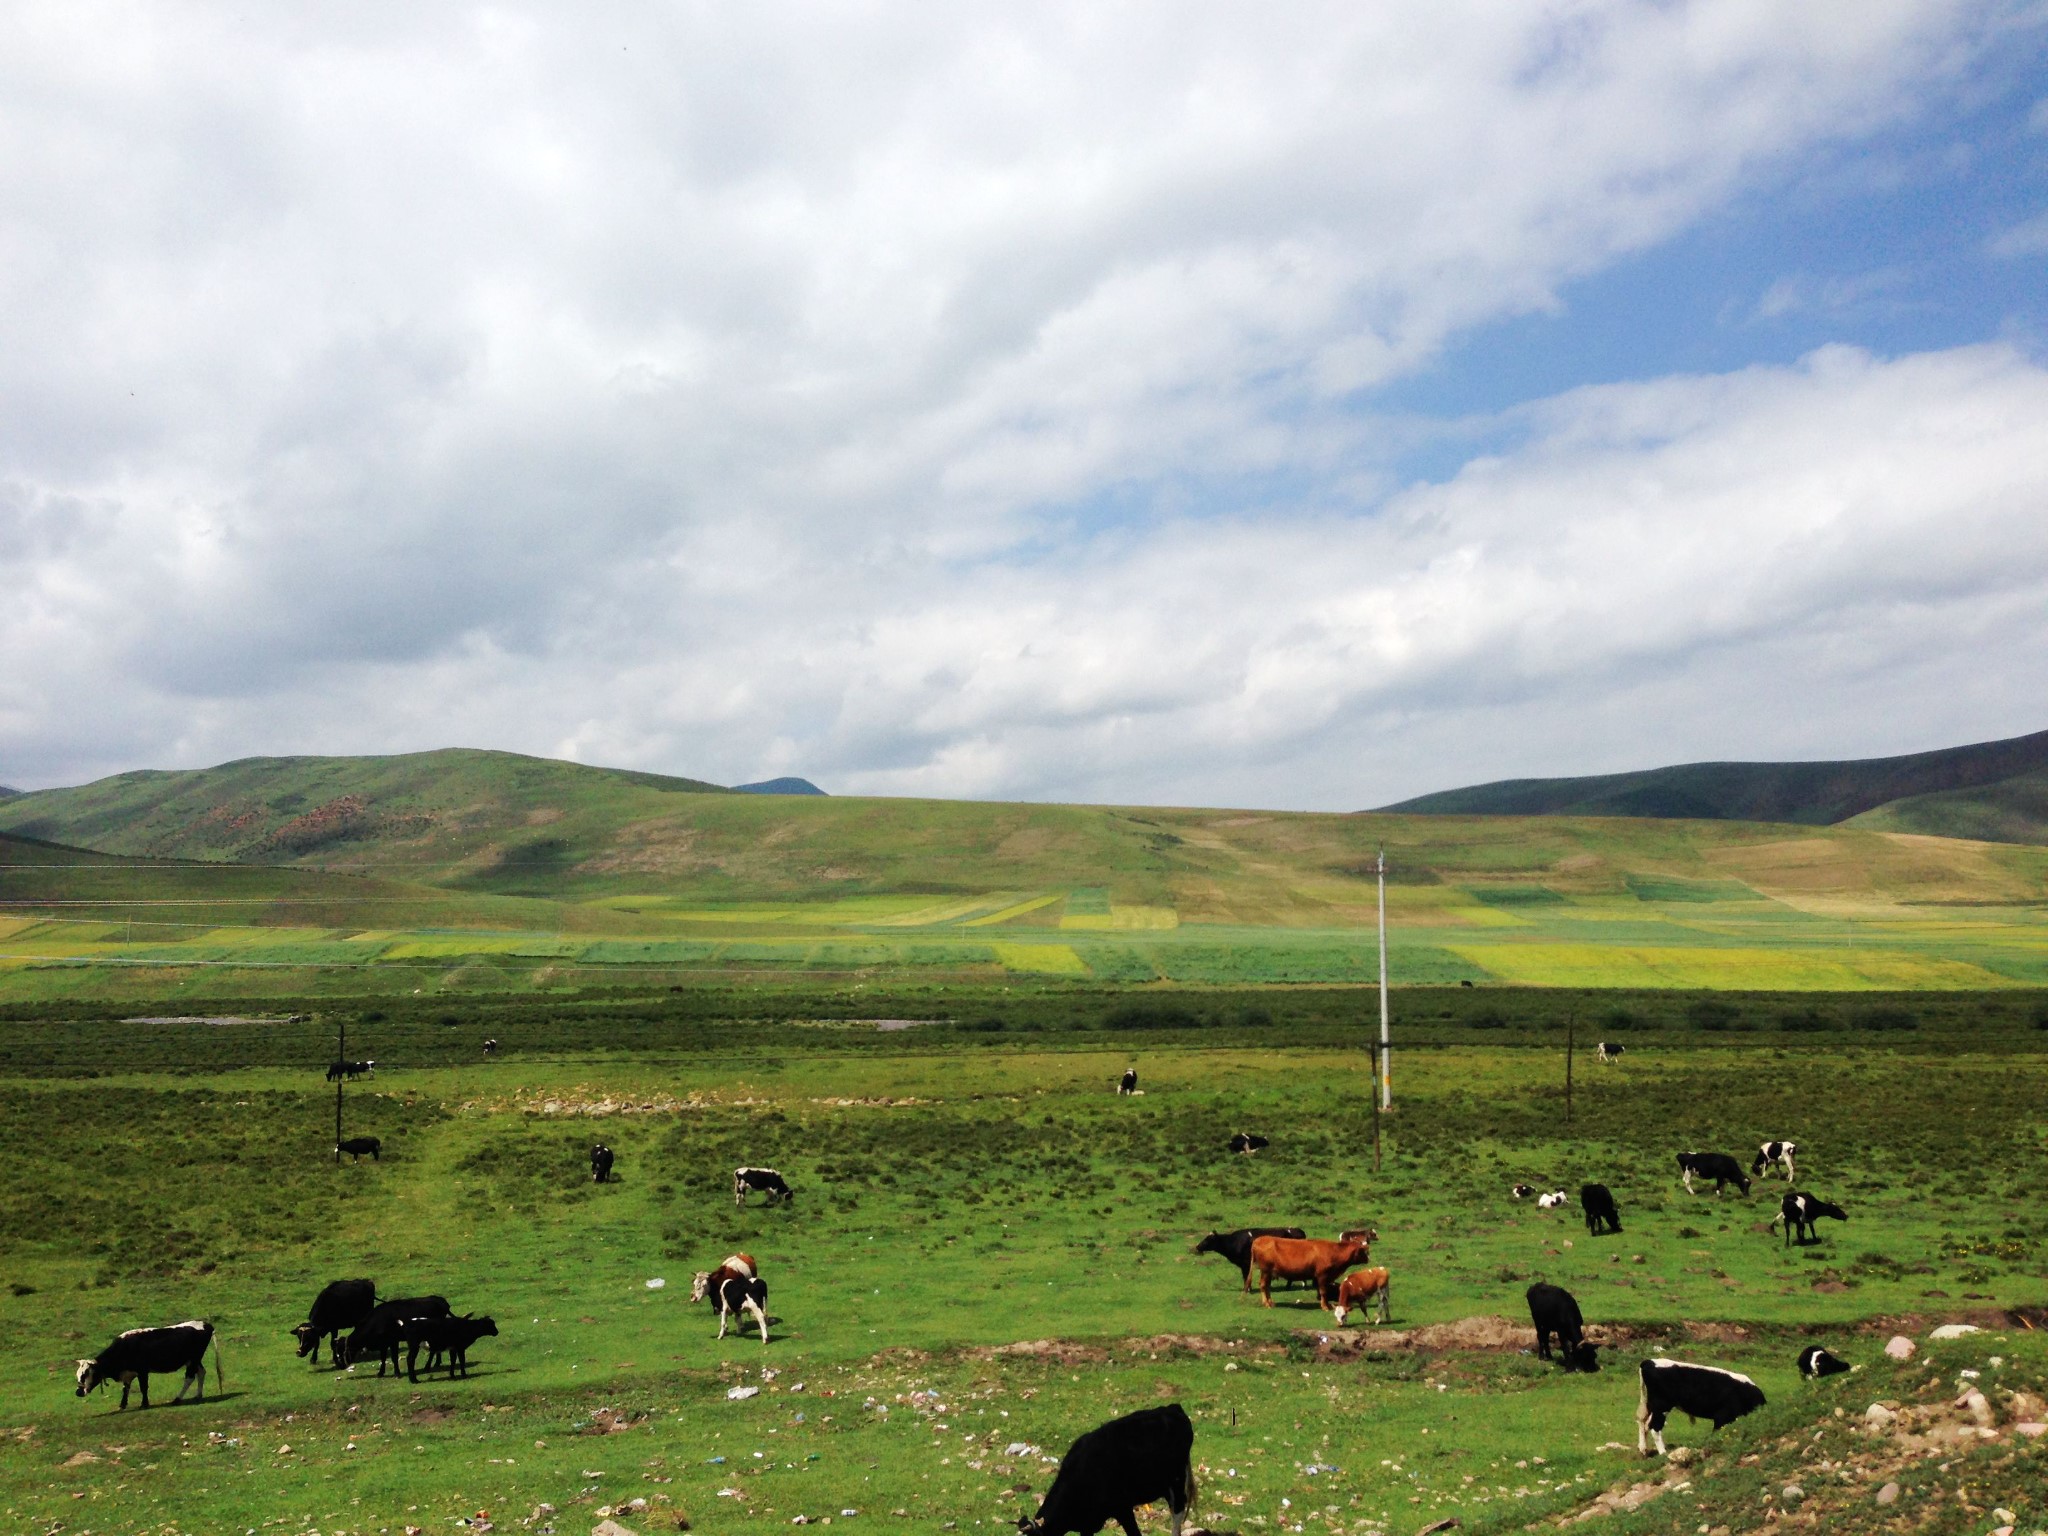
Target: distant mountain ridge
1996, 790
782, 786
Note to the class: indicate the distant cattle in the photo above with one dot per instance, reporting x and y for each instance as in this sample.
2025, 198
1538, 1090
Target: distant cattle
1608, 1051
1815, 1362
1718, 1166
1555, 1200
141, 1353
378, 1335
336, 1071
600, 1164
1128, 1083
446, 1340
1245, 1141
760, 1181
1141, 1458
1799, 1211
491, 1046
1523, 1191
1237, 1246
357, 1146
1597, 1201
1773, 1154
1554, 1310
1361, 1287
1698, 1391
1299, 1258
342, 1304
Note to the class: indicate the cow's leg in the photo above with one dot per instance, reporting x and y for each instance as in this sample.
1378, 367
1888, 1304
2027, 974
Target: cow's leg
1128, 1519
760, 1316
143, 1379
721, 1319
1386, 1304
1266, 1284
1685, 1174
1642, 1419
1247, 1277
186, 1386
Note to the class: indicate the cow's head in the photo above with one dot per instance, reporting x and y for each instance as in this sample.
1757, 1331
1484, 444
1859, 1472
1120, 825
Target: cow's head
1742, 1183
700, 1285
1213, 1243
308, 1337
1582, 1357
1359, 1235
485, 1327
89, 1376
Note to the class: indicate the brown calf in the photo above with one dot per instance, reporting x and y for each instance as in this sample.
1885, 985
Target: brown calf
1359, 1288
1306, 1258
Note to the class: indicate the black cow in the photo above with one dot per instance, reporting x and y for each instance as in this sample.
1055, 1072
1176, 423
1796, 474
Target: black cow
1608, 1051
1773, 1154
343, 1304
1128, 1083
141, 1353
1245, 1141
1140, 1458
379, 1335
1815, 1362
1799, 1211
600, 1164
1597, 1201
738, 1296
1237, 1246
340, 1069
356, 1146
1553, 1309
445, 1339
1718, 1166
760, 1181
1697, 1391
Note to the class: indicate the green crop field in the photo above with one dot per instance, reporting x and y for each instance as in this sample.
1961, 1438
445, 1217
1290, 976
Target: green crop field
990, 1252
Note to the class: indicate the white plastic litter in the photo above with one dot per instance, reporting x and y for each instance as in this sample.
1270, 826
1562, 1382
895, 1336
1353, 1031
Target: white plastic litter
656, 1283
739, 1392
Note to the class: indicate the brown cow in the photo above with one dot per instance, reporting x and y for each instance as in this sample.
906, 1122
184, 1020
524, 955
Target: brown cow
1307, 1258
1358, 1288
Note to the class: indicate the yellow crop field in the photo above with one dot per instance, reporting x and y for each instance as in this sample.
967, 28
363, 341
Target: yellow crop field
1603, 965
1041, 959
1036, 903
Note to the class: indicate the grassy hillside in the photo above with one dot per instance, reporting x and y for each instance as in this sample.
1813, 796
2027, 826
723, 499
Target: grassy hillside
2014, 811
1812, 794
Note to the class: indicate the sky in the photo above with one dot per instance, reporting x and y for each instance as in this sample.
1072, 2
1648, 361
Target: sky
1301, 406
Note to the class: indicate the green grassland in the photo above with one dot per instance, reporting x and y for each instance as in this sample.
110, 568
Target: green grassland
987, 1249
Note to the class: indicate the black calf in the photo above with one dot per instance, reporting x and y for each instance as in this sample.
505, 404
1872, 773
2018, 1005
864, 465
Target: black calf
1597, 1200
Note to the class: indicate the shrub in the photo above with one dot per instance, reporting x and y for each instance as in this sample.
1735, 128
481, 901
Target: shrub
1710, 1013
1886, 1017
1805, 1022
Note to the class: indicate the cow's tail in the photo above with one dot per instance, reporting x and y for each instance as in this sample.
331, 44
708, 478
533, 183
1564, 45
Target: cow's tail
1187, 1491
219, 1380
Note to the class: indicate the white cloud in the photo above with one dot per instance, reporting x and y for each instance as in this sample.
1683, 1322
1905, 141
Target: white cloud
898, 397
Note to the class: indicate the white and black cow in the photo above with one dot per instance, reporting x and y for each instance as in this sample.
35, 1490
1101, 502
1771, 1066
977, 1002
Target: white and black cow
341, 1304
1237, 1246
1718, 1166
1553, 1309
141, 1353
1245, 1141
1606, 1050
340, 1069
1815, 1362
357, 1146
1697, 1391
1773, 1154
600, 1164
1141, 1458
1597, 1201
1523, 1191
737, 1295
1799, 1211
1555, 1200
760, 1181
491, 1046
379, 1335
1128, 1083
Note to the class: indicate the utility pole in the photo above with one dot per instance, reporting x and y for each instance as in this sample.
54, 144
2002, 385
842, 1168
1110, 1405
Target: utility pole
1386, 1065
1571, 1021
340, 1054
1375, 1107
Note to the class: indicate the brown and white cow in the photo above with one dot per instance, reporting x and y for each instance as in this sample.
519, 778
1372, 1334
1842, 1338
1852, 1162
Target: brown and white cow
1358, 1288
735, 1266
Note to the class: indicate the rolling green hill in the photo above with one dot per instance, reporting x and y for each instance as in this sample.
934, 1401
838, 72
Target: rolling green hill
1964, 779
2012, 811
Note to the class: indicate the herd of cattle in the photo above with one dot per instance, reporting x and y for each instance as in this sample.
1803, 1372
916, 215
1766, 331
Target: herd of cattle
1109, 1472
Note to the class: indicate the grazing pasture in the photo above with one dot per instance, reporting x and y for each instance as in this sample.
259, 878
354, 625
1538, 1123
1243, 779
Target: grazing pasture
990, 1249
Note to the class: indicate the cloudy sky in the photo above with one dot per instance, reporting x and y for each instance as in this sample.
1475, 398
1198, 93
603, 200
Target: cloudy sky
1296, 406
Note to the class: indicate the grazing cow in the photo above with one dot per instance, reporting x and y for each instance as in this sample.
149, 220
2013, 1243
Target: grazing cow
342, 1304
1553, 1309
1718, 1166
600, 1164
1697, 1391
356, 1146
1245, 1141
1608, 1051
1523, 1191
491, 1046
1128, 1083
1799, 1211
1815, 1362
1237, 1246
736, 1295
1306, 1258
1555, 1200
1358, 1288
446, 1340
1773, 1154
734, 1266
1141, 1458
378, 1335
760, 1181
141, 1353
1597, 1201
340, 1069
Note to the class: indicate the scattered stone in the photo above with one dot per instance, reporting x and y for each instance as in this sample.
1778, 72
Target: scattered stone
1974, 1404
2033, 1429
1791, 1493
610, 1528
2004, 1516
1888, 1494
1901, 1347
1441, 1525
736, 1393
1878, 1416
81, 1459
1683, 1456
1954, 1331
